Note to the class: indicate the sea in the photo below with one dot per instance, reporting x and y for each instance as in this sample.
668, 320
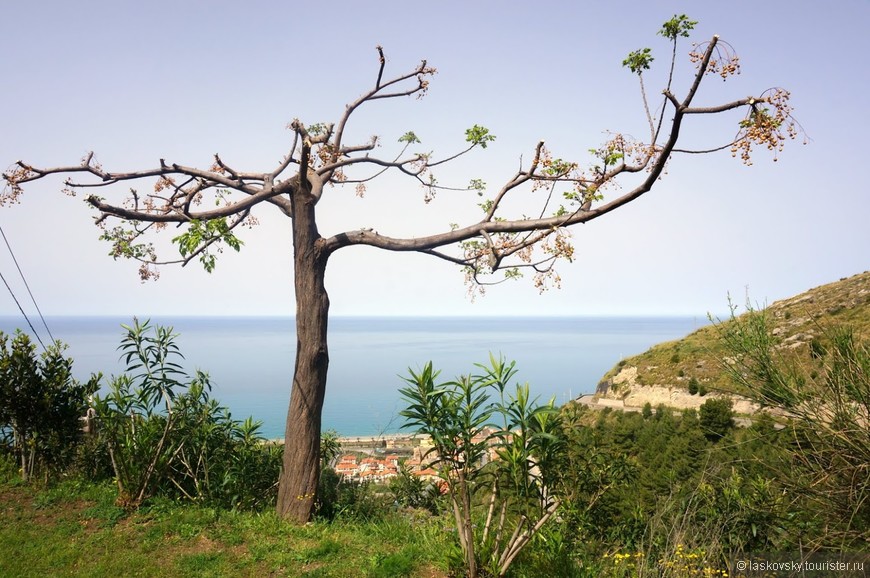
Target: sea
250, 359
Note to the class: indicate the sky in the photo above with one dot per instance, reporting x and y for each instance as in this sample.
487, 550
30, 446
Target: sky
181, 80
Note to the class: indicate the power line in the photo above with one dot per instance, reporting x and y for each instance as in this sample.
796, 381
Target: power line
22, 311
29, 292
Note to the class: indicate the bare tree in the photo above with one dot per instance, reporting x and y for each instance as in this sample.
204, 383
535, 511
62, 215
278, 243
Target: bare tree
498, 245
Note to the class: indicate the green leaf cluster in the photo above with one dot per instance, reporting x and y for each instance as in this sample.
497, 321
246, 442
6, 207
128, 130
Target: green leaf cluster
639, 60
317, 129
477, 185
677, 26
558, 168
200, 235
409, 137
478, 135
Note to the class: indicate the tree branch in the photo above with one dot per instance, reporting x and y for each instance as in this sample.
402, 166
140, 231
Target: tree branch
176, 215
502, 237
724, 107
702, 70
420, 73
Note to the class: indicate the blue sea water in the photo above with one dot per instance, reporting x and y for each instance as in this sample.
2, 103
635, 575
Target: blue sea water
250, 359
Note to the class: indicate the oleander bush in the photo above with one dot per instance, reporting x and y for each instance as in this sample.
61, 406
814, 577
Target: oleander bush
165, 434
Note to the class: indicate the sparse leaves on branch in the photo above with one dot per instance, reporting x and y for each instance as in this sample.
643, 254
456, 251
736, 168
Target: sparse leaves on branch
201, 234
477, 185
321, 154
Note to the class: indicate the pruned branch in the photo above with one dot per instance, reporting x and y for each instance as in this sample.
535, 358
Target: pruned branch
483, 245
421, 73
176, 215
650, 158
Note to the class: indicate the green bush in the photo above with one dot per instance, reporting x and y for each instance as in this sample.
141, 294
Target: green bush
829, 411
410, 491
166, 435
92, 461
498, 505
338, 497
40, 405
647, 410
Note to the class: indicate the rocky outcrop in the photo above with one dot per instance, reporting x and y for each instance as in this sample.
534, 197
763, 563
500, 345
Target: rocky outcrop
622, 391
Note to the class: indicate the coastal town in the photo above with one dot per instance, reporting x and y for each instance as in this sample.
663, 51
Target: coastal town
379, 459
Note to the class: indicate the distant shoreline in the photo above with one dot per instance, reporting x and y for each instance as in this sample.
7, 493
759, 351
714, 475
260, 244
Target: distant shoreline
250, 359
366, 440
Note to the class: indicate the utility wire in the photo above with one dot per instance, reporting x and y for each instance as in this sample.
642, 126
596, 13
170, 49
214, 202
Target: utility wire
29, 292
22, 311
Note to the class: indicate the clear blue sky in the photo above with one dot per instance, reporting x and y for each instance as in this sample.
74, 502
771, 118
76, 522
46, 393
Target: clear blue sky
140, 81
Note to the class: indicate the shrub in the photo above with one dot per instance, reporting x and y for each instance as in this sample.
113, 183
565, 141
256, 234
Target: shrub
830, 412
338, 497
518, 488
166, 435
410, 491
40, 405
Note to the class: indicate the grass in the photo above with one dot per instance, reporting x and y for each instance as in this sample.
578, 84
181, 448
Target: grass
74, 529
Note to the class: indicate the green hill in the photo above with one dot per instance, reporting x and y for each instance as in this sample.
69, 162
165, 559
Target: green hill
663, 374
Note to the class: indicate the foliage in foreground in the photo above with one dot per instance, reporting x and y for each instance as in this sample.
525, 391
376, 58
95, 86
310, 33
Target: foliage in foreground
823, 389
631, 494
638, 494
500, 475
40, 405
164, 434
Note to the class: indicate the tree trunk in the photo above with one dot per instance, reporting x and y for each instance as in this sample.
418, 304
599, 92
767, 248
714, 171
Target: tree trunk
301, 465
18, 441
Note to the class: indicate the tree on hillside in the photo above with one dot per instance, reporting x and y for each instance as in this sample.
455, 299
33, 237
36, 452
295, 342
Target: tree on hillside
212, 204
716, 417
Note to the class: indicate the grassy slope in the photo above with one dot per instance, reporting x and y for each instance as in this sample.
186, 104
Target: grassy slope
76, 530
797, 319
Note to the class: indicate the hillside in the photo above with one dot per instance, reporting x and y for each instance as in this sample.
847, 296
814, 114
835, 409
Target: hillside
663, 373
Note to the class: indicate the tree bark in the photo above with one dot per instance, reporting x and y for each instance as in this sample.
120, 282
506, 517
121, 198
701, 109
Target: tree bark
301, 464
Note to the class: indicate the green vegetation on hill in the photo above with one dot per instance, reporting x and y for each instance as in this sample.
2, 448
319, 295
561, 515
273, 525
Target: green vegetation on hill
797, 322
